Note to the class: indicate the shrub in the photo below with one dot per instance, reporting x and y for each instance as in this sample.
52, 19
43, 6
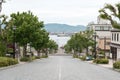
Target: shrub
12, 61
116, 65
44, 56
4, 61
83, 58
37, 57
102, 52
101, 61
25, 59
33, 57
75, 56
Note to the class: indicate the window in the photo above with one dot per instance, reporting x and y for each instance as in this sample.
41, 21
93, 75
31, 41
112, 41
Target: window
117, 37
110, 28
112, 36
102, 28
97, 28
106, 27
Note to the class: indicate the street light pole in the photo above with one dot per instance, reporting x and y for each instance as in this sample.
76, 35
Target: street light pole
104, 45
95, 47
14, 48
1, 1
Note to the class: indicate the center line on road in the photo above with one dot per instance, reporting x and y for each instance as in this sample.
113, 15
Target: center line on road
59, 72
59, 66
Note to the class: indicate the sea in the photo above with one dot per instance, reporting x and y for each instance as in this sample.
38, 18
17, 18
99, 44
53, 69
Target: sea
60, 40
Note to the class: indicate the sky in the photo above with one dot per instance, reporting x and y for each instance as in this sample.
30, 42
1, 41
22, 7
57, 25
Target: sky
72, 12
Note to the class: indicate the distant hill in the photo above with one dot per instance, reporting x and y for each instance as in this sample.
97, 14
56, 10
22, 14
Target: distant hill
55, 27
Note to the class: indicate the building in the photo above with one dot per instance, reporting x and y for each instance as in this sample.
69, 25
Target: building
103, 32
115, 44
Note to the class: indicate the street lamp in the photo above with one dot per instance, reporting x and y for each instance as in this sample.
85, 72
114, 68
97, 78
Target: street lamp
95, 45
14, 48
104, 45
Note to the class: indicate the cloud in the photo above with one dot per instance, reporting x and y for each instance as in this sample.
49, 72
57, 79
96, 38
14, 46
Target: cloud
64, 11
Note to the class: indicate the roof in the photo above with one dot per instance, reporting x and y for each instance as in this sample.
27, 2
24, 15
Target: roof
115, 30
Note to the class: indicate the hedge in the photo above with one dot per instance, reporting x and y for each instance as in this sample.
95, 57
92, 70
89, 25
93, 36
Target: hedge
101, 61
27, 59
4, 61
75, 56
116, 65
83, 58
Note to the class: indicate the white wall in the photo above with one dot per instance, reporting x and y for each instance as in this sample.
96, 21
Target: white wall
103, 33
113, 41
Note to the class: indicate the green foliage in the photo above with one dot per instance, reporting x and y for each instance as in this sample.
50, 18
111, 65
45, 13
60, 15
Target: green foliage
44, 56
116, 65
25, 59
2, 49
52, 45
37, 57
33, 57
102, 52
28, 59
40, 39
83, 58
67, 48
4, 61
27, 28
101, 61
3, 35
80, 41
109, 11
75, 56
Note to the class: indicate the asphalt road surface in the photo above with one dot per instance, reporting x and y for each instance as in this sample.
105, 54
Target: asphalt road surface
58, 68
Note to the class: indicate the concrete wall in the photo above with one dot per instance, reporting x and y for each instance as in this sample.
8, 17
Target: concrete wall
118, 53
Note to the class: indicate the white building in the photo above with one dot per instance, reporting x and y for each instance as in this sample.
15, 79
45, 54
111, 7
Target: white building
115, 44
103, 31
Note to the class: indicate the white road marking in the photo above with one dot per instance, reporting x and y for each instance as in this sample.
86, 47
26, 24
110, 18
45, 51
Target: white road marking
59, 67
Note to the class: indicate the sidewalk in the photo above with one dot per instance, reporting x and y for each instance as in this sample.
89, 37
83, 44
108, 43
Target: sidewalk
110, 65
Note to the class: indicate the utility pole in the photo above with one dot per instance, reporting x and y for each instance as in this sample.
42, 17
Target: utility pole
104, 45
95, 46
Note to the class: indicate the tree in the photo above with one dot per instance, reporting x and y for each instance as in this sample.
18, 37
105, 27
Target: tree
111, 13
52, 45
75, 43
40, 40
80, 41
88, 40
26, 25
3, 35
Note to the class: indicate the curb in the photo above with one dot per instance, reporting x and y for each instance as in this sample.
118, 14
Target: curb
11, 66
116, 70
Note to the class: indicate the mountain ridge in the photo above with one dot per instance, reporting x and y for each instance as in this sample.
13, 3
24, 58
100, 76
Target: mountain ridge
56, 27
